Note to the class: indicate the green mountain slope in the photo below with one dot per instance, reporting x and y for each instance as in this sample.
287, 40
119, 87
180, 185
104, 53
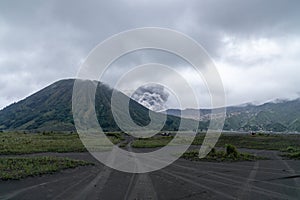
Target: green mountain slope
273, 116
51, 109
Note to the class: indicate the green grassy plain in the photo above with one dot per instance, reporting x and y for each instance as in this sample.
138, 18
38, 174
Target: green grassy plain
151, 142
20, 143
258, 141
21, 167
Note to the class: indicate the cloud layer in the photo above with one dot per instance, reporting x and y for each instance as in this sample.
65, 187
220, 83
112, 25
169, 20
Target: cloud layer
255, 44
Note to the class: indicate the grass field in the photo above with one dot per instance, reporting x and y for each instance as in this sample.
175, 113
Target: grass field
21, 167
151, 142
259, 141
20, 143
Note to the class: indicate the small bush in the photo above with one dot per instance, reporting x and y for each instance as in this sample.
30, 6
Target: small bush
213, 151
291, 149
122, 145
220, 156
294, 155
231, 150
191, 155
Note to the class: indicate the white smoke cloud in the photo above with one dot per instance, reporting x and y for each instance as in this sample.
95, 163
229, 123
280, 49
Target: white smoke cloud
152, 96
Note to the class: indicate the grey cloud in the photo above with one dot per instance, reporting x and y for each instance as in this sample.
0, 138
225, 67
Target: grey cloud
43, 41
250, 17
130, 61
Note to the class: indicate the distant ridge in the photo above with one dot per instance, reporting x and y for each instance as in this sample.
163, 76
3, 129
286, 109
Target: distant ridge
277, 116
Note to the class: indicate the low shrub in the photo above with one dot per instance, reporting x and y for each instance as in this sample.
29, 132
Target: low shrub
231, 150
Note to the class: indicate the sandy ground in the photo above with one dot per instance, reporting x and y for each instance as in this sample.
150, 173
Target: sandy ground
275, 178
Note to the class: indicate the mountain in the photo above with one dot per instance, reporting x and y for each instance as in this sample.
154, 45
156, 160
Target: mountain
51, 109
278, 116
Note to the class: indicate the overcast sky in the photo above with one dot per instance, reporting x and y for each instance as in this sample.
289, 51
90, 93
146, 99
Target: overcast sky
254, 44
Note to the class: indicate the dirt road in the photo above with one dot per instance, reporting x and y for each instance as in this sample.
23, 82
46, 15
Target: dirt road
264, 179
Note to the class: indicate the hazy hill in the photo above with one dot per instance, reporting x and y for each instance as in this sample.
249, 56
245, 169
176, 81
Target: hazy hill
51, 109
273, 116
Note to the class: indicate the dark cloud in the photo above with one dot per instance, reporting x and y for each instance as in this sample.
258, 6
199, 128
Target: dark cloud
131, 60
43, 41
